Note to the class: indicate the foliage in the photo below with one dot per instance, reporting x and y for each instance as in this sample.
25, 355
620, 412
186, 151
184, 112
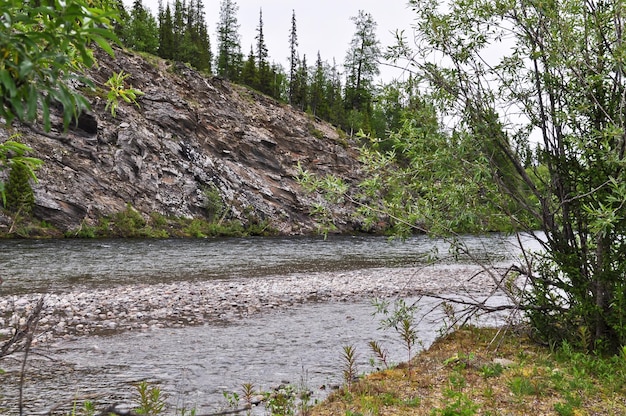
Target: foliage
281, 402
229, 56
561, 68
19, 194
402, 320
518, 125
361, 62
150, 400
13, 156
118, 90
44, 47
349, 365
140, 31
129, 223
184, 35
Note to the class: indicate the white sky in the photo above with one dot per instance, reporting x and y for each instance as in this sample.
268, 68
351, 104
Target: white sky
322, 25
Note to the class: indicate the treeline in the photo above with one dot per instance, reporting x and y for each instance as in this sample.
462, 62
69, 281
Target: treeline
345, 96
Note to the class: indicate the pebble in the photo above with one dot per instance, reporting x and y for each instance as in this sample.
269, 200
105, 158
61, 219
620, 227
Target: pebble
176, 304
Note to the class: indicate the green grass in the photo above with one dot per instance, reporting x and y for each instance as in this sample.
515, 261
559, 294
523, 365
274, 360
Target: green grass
463, 374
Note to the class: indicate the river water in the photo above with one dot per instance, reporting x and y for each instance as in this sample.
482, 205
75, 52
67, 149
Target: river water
194, 365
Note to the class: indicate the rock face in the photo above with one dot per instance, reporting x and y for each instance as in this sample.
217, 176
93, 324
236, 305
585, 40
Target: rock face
189, 134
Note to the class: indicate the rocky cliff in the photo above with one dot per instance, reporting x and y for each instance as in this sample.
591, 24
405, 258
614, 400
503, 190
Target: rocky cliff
189, 133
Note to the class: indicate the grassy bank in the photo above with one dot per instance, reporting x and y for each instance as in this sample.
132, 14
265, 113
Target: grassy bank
485, 372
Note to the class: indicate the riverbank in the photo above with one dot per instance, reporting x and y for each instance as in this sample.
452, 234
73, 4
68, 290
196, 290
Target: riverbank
486, 371
144, 306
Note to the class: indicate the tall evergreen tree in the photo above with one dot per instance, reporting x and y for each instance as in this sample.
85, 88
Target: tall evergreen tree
167, 45
317, 89
278, 82
180, 10
122, 23
229, 56
334, 98
300, 99
143, 32
293, 57
361, 62
249, 74
196, 47
262, 63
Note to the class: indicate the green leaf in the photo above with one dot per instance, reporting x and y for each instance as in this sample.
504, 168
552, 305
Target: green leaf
33, 97
104, 44
25, 68
7, 82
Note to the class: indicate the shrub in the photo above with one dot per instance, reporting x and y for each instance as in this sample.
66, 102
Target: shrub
19, 194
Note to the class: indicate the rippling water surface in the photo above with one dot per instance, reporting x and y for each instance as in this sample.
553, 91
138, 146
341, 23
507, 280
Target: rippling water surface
59, 265
197, 364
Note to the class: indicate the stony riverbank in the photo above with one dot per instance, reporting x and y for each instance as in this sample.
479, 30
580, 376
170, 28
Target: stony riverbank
137, 307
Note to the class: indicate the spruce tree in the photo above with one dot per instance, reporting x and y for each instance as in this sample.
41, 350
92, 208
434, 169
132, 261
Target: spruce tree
143, 34
318, 103
334, 98
20, 198
293, 57
228, 47
167, 45
361, 62
249, 75
262, 64
302, 85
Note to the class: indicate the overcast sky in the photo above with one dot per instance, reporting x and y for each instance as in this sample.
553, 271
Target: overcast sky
322, 25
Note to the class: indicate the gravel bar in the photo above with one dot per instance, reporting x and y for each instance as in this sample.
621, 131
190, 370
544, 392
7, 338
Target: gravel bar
137, 307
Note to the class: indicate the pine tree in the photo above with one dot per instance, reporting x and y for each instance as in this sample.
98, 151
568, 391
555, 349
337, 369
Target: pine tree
228, 47
122, 23
293, 57
20, 198
143, 34
264, 81
300, 99
278, 82
167, 44
334, 97
180, 10
318, 104
361, 62
205, 55
249, 75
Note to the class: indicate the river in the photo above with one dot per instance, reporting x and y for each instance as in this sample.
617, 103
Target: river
300, 344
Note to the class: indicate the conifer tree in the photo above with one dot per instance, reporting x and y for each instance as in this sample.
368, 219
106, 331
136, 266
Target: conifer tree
228, 47
249, 74
205, 57
196, 46
334, 98
278, 82
361, 62
143, 33
293, 57
318, 104
20, 198
122, 23
264, 78
167, 45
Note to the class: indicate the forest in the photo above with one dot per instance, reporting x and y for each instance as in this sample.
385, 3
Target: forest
345, 94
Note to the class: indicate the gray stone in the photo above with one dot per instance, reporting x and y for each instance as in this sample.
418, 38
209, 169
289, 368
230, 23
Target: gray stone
188, 134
